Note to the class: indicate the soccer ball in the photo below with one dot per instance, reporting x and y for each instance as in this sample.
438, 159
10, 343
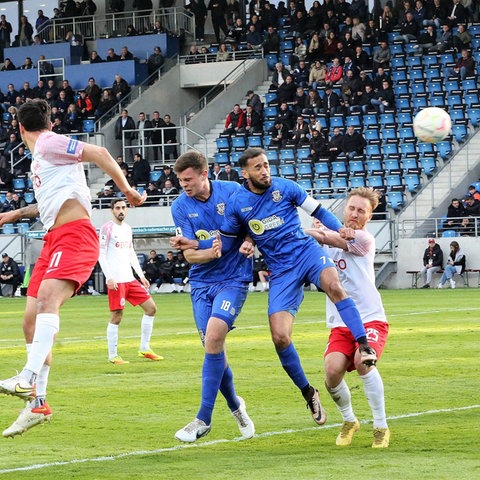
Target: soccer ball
432, 124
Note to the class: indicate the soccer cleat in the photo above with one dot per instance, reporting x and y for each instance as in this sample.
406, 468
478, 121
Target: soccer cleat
347, 431
318, 412
18, 386
28, 418
118, 360
381, 438
151, 355
245, 424
193, 431
368, 355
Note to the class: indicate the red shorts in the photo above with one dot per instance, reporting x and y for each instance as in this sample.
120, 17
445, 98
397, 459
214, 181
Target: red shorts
133, 292
70, 252
341, 340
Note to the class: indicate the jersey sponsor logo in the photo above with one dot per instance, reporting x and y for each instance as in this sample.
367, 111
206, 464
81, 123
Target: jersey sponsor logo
341, 264
246, 209
205, 235
123, 244
260, 226
221, 208
72, 146
276, 196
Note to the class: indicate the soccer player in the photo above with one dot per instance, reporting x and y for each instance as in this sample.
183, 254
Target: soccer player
219, 288
117, 257
267, 207
355, 264
64, 207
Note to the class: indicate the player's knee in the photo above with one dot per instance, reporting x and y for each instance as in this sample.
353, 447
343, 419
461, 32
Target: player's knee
281, 340
335, 291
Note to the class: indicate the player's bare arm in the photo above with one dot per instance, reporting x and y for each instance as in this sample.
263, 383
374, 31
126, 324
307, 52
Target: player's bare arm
333, 239
30, 211
206, 255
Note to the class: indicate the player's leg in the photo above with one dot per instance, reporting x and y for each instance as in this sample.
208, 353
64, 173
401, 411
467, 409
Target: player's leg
116, 302
331, 285
284, 299
338, 358
149, 310
373, 384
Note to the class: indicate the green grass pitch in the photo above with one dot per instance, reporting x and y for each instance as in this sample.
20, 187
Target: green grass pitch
118, 422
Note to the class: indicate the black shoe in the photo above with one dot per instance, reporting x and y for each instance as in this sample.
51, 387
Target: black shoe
426, 286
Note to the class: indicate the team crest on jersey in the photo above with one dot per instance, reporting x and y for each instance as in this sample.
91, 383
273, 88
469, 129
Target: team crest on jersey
276, 196
221, 208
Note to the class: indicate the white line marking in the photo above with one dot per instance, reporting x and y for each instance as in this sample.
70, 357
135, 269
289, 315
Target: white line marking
216, 442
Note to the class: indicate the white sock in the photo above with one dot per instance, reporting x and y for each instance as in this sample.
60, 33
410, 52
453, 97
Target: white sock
147, 327
373, 387
264, 285
46, 326
42, 380
112, 340
342, 397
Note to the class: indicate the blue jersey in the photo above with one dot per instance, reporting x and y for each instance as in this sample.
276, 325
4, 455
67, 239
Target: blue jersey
273, 222
202, 220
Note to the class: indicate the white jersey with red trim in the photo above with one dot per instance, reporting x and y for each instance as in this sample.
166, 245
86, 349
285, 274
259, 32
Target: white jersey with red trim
57, 175
117, 256
356, 270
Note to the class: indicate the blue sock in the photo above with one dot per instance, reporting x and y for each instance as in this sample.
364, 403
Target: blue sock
291, 363
227, 388
212, 373
351, 317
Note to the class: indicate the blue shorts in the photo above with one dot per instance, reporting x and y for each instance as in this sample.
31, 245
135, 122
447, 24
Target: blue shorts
220, 301
286, 288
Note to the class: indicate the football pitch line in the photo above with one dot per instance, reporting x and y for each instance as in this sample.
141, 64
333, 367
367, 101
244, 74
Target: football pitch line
216, 442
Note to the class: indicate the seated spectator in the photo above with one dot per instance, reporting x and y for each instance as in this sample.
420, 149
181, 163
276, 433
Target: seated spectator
168, 174
300, 100
72, 121
40, 90
95, 57
26, 91
301, 74
427, 39
193, 56
254, 101
237, 32
432, 262
252, 121
84, 106
10, 97
180, 270
462, 39
94, 92
382, 57
7, 205
74, 39
314, 49
10, 276
409, 29
105, 197
279, 76
313, 103
279, 133
473, 192
317, 75
51, 87
457, 14
286, 91
169, 192
334, 148
131, 32
8, 65
436, 15
46, 68
300, 133
286, 116
105, 104
126, 54
455, 213
12, 143
362, 101
120, 88
353, 143
299, 52
317, 146
472, 210
234, 123
27, 65
151, 267
334, 72
165, 270
153, 195
140, 170
271, 41
58, 127
330, 47
216, 170
18, 201
228, 174
223, 54
444, 42
455, 264
464, 67
361, 59
69, 95
254, 38
158, 28
330, 102
383, 98
112, 56
419, 13
5, 179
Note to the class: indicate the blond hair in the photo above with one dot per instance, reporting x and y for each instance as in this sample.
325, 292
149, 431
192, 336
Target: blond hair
366, 192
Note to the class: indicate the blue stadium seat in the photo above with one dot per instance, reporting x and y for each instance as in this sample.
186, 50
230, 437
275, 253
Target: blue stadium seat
339, 168
416, 74
425, 148
474, 116
322, 183
460, 132
303, 154
156, 174
444, 148
272, 59
372, 165
393, 182
403, 104
304, 170
428, 165
287, 170
8, 229
287, 155
370, 120
88, 125
438, 101
407, 149
375, 181
270, 97
356, 166
255, 141
372, 135
339, 184
419, 102
449, 233
353, 121
435, 87
29, 197
429, 60
389, 135
414, 61
454, 101
404, 119
235, 156
274, 170
372, 150
223, 144
387, 119
272, 156
390, 165
357, 181
471, 100
469, 85
239, 142
418, 87
19, 183
322, 169
305, 183
390, 149
457, 115
270, 112
336, 121
395, 200
409, 163
412, 182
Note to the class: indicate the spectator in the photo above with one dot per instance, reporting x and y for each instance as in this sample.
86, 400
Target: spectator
223, 54
84, 106
300, 101
419, 13
317, 146
126, 54
95, 57
300, 133
165, 270
271, 41
168, 193
158, 27
40, 90
445, 42
125, 122
432, 262
8, 65
236, 33
464, 67
455, 213
5, 178
253, 121
168, 174
105, 197
457, 14
279, 133
253, 38
234, 121
317, 76
112, 56
131, 32
120, 88
335, 144
382, 56
58, 126
8, 204
10, 276
229, 174
5, 32
143, 133
218, 10
42, 26
151, 267
169, 138
330, 102
383, 98
436, 15
299, 51
472, 209
254, 101
353, 143
140, 170
69, 95
25, 32
157, 135
74, 39
455, 264
334, 72
153, 197
94, 92
10, 97
155, 60
314, 50
473, 192
279, 76
301, 74
462, 39
286, 91
180, 270
216, 171
12, 143
27, 65
427, 39
199, 11
409, 29
106, 103
72, 121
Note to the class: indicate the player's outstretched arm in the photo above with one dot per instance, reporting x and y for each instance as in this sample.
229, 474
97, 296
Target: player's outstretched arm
330, 238
30, 211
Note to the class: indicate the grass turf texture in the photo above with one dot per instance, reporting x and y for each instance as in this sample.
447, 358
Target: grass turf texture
118, 421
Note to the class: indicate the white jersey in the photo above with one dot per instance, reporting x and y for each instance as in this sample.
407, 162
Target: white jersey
356, 271
58, 175
117, 256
